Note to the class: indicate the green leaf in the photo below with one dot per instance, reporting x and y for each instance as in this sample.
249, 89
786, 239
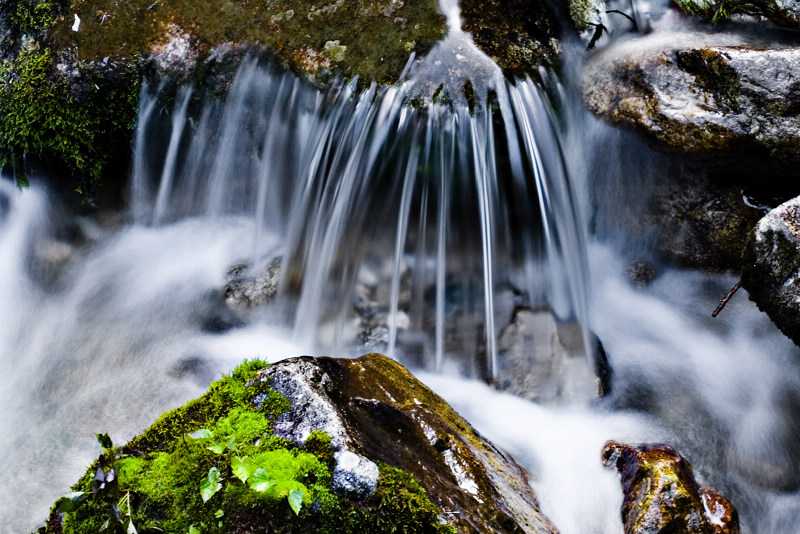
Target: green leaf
217, 448
210, 484
296, 500
260, 482
193, 530
239, 468
105, 441
219, 513
71, 501
203, 433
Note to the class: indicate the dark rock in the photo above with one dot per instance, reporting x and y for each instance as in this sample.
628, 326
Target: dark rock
771, 267
375, 410
641, 273
518, 35
726, 105
701, 222
661, 495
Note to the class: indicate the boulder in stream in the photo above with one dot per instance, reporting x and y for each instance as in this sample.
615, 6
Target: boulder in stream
778, 12
306, 445
730, 106
771, 267
661, 495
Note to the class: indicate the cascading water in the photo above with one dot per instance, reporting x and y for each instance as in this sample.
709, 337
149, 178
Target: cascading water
413, 229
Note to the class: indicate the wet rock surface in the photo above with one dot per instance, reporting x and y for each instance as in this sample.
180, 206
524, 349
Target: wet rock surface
375, 409
543, 361
771, 267
727, 105
661, 495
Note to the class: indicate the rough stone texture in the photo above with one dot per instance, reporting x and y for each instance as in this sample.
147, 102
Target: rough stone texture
383, 413
771, 267
730, 105
702, 222
780, 12
661, 495
242, 289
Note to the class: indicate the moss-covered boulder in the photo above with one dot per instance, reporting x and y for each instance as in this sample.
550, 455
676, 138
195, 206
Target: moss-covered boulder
734, 107
780, 12
661, 495
305, 445
771, 267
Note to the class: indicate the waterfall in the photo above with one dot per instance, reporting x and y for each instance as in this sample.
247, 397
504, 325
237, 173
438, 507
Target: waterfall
359, 188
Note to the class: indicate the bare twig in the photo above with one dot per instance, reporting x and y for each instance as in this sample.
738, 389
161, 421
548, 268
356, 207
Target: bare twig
725, 300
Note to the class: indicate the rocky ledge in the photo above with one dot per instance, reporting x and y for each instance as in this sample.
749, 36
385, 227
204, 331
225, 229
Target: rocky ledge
730, 105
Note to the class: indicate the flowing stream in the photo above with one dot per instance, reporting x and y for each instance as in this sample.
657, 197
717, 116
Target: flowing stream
423, 231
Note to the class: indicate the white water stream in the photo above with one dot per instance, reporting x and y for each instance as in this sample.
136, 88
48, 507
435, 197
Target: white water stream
425, 226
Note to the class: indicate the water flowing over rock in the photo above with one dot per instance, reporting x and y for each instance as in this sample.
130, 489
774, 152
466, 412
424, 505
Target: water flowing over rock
729, 105
378, 410
661, 495
771, 267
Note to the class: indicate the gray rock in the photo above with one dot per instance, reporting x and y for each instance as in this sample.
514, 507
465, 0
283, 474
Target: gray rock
771, 267
245, 290
727, 104
354, 473
535, 362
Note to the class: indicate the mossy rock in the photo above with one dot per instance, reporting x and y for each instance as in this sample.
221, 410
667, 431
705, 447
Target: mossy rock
661, 495
305, 445
777, 12
732, 108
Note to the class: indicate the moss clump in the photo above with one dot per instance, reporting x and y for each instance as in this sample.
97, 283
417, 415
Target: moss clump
215, 466
45, 114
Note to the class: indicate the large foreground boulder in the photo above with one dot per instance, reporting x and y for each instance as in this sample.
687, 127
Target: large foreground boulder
661, 495
771, 267
729, 105
306, 445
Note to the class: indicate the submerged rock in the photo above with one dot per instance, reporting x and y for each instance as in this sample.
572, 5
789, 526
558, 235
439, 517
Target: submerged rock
306, 445
661, 495
243, 289
544, 361
771, 267
733, 106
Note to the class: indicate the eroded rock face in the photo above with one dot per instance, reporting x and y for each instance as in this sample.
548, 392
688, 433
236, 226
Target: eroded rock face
771, 267
376, 411
661, 495
730, 105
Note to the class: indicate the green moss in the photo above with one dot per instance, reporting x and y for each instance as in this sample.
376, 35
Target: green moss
367, 38
42, 116
265, 483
